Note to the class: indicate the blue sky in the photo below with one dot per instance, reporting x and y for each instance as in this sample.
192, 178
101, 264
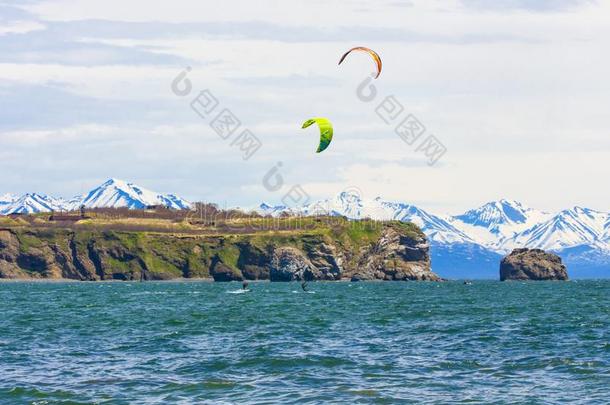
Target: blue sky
516, 90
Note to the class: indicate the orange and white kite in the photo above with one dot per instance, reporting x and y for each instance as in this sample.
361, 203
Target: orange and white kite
371, 52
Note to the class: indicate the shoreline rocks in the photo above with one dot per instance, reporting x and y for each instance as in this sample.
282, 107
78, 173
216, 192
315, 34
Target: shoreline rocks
397, 257
341, 250
532, 264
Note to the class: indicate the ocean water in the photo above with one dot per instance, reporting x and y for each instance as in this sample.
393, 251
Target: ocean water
393, 342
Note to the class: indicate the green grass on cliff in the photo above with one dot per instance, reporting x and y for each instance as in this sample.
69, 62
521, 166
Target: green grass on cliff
296, 231
229, 255
158, 266
359, 233
408, 229
171, 255
28, 241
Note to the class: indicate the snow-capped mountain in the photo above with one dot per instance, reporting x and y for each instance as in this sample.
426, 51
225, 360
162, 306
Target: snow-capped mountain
6, 200
113, 193
478, 238
31, 203
119, 194
495, 222
572, 227
496, 214
347, 203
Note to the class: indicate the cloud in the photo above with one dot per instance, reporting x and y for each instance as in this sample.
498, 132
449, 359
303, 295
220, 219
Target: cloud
24, 38
52, 44
17, 20
530, 5
256, 30
10, 13
54, 105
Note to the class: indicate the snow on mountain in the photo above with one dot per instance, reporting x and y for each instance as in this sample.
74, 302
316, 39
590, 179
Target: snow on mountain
32, 203
606, 236
494, 222
111, 194
174, 202
506, 224
273, 210
495, 214
348, 204
6, 200
116, 193
572, 227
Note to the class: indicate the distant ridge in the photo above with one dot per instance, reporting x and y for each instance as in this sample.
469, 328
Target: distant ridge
113, 193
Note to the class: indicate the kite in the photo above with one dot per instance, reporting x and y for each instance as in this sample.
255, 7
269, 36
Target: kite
371, 52
326, 131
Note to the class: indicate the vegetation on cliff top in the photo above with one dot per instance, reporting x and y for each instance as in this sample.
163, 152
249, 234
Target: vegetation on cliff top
100, 247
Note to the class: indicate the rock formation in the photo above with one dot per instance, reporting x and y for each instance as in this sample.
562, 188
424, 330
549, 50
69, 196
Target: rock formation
532, 264
396, 256
342, 250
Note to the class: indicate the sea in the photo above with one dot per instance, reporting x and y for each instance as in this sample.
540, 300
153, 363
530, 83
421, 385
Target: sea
488, 342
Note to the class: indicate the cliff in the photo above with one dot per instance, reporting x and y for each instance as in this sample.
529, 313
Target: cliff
532, 264
336, 250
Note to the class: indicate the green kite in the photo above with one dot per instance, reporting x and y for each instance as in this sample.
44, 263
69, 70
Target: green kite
326, 131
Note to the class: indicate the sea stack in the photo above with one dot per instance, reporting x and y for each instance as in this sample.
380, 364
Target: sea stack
532, 264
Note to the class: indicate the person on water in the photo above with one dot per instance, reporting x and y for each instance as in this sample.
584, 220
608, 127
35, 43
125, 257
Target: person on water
244, 285
304, 286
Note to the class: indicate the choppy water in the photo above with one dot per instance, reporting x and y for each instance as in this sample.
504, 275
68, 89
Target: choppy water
488, 342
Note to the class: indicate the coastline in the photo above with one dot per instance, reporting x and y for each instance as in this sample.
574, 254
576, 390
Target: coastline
330, 249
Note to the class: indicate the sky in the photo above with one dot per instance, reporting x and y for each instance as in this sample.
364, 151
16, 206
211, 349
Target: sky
514, 91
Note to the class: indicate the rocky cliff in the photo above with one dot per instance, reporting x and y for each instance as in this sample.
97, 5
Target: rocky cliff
532, 264
356, 250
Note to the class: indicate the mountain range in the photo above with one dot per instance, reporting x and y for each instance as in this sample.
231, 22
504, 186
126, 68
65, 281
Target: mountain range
469, 245
113, 193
